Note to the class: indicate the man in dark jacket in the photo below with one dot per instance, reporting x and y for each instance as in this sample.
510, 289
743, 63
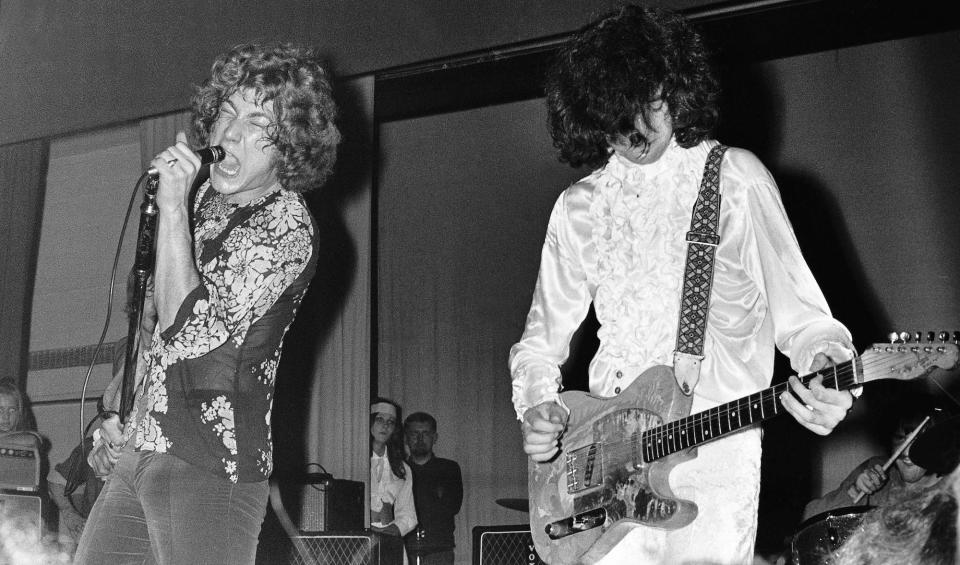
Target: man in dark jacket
437, 494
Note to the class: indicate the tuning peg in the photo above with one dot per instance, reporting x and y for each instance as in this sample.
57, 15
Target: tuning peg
956, 337
904, 337
944, 336
931, 336
893, 337
918, 337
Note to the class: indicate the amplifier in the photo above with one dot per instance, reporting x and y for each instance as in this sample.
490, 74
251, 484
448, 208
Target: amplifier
20, 517
19, 462
347, 548
504, 545
331, 505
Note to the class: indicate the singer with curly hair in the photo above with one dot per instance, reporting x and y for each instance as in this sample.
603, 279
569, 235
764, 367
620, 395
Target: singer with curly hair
231, 270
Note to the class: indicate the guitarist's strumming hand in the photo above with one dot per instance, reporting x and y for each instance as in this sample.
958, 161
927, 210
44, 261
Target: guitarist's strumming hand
542, 427
819, 409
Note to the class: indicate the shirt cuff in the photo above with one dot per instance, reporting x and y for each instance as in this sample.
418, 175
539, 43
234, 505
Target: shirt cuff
534, 387
829, 337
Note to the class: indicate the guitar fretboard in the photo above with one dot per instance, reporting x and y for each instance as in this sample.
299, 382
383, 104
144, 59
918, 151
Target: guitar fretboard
727, 418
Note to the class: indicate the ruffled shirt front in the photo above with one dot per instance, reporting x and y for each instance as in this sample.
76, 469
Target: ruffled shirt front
617, 238
387, 488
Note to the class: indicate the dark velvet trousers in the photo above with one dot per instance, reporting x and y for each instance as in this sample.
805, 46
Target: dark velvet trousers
158, 509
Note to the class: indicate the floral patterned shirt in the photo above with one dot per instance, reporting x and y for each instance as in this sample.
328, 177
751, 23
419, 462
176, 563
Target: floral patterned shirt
211, 373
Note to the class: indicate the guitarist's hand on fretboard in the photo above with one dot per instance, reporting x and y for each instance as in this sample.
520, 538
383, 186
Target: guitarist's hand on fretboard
817, 408
542, 427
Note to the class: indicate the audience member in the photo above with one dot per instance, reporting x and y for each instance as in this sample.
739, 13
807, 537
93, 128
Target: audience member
11, 407
392, 511
21, 527
16, 425
437, 493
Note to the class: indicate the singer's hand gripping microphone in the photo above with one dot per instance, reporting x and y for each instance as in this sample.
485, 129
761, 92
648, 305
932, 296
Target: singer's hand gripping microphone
212, 154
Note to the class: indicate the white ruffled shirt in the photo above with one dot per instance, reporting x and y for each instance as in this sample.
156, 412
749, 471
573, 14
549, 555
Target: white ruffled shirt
617, 238
387, 487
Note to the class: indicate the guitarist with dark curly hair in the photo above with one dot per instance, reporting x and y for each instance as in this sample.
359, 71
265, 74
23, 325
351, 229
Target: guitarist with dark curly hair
692, 298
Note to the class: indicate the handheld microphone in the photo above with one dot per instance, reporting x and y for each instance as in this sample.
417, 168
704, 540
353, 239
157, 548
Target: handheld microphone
212, 154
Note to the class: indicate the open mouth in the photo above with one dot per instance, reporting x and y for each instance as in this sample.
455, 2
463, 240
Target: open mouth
229, 166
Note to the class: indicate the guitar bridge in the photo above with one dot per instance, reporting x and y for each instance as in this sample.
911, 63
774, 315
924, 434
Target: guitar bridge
584, 468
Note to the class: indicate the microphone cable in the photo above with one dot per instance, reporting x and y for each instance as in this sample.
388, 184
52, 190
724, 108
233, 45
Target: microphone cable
110, 293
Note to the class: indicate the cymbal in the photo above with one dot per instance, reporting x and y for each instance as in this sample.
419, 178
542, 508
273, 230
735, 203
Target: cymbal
937, 448
521, 504
841, 513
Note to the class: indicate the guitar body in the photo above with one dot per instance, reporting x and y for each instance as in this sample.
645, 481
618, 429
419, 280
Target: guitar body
600, 467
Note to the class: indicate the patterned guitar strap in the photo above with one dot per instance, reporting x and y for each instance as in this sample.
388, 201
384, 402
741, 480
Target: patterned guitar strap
702, 241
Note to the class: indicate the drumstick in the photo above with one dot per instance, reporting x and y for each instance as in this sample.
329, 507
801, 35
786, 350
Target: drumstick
855, 493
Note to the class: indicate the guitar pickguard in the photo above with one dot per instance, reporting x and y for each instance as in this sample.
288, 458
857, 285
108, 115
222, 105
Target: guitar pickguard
602, 467
615, 477
624, 479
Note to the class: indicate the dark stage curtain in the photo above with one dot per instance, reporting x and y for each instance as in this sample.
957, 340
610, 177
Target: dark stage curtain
23, 173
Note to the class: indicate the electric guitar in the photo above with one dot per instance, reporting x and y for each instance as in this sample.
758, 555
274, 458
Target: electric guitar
617, 453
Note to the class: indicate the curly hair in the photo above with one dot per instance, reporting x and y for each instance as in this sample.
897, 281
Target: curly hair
395, 453
292, 80
611, 71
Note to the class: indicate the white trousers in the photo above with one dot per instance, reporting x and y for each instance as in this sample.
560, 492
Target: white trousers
724, 482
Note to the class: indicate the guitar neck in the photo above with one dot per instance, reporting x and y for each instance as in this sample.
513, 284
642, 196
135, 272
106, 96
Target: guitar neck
735, 415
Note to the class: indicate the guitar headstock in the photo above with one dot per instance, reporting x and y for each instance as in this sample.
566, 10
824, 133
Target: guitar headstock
910, 355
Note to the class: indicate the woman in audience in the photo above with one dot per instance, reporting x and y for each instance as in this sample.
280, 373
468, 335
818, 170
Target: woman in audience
392, 512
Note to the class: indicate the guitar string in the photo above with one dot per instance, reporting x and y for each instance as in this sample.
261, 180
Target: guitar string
842, 378
629, 445
663, 439
716, 415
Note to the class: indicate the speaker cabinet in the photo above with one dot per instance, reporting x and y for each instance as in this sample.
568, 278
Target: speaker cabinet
504, 545
20, 516
331, 505
19, 462
348, 548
